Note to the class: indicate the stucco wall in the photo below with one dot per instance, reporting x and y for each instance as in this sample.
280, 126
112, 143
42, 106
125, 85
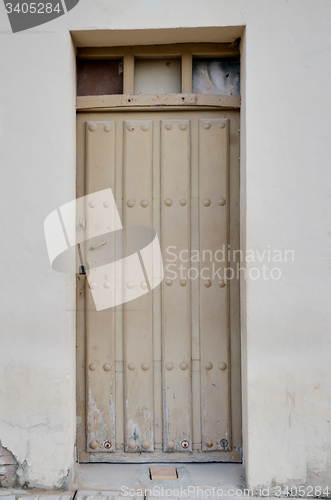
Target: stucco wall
285, 204
37, 333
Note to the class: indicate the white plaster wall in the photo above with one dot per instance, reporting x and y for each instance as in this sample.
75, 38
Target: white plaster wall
286, 152
37, 135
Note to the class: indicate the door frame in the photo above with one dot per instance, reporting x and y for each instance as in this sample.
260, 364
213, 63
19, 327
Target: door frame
129, 102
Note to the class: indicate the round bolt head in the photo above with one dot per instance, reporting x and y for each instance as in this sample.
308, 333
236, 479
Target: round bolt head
131, 444
168, 202
106, 204
221, 283
93, 445
183, 126
221, 202
145, 367
183, 202
92, 127
184, 444
130, 127
170, 445
146, 444
207, 125
107, 367
209, 444
183, 366
92, 204
169, 366
145, 127
221, 124
144, 203
207, 283
168, 126
130, 203
130, 285
182, 282
222, 366
131, 366
92, 367
107, 445
93, 285
168, 282
107, 128
206, 202
106, 285
143, 285
208, 365
223, 444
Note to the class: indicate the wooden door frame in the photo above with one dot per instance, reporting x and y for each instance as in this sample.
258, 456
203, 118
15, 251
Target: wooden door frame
129, 102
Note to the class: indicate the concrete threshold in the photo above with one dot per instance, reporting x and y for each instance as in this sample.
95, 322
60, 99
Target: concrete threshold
136, 477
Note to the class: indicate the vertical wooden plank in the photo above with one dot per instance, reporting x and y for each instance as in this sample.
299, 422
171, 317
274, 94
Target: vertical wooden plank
100, 331
214, 301
194, 282
176, 305
187, 73
119, 362
138, 317
81, 287
234, 287
128, 78
157, 294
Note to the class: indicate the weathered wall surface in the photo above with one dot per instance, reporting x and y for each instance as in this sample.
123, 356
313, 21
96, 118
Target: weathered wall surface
286, 151
37, 334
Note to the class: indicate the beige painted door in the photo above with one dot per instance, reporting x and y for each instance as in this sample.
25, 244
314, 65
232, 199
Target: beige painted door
162, 372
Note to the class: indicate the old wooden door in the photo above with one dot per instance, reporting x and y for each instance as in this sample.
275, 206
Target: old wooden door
162, 372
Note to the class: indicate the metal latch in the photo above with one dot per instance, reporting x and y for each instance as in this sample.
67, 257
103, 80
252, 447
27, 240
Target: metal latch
82, 268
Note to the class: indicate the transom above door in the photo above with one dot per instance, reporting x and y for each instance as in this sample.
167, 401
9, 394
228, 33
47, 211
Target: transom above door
160, 375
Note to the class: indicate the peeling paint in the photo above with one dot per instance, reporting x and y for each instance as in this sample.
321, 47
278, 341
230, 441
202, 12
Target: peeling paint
8, 468
98, 428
